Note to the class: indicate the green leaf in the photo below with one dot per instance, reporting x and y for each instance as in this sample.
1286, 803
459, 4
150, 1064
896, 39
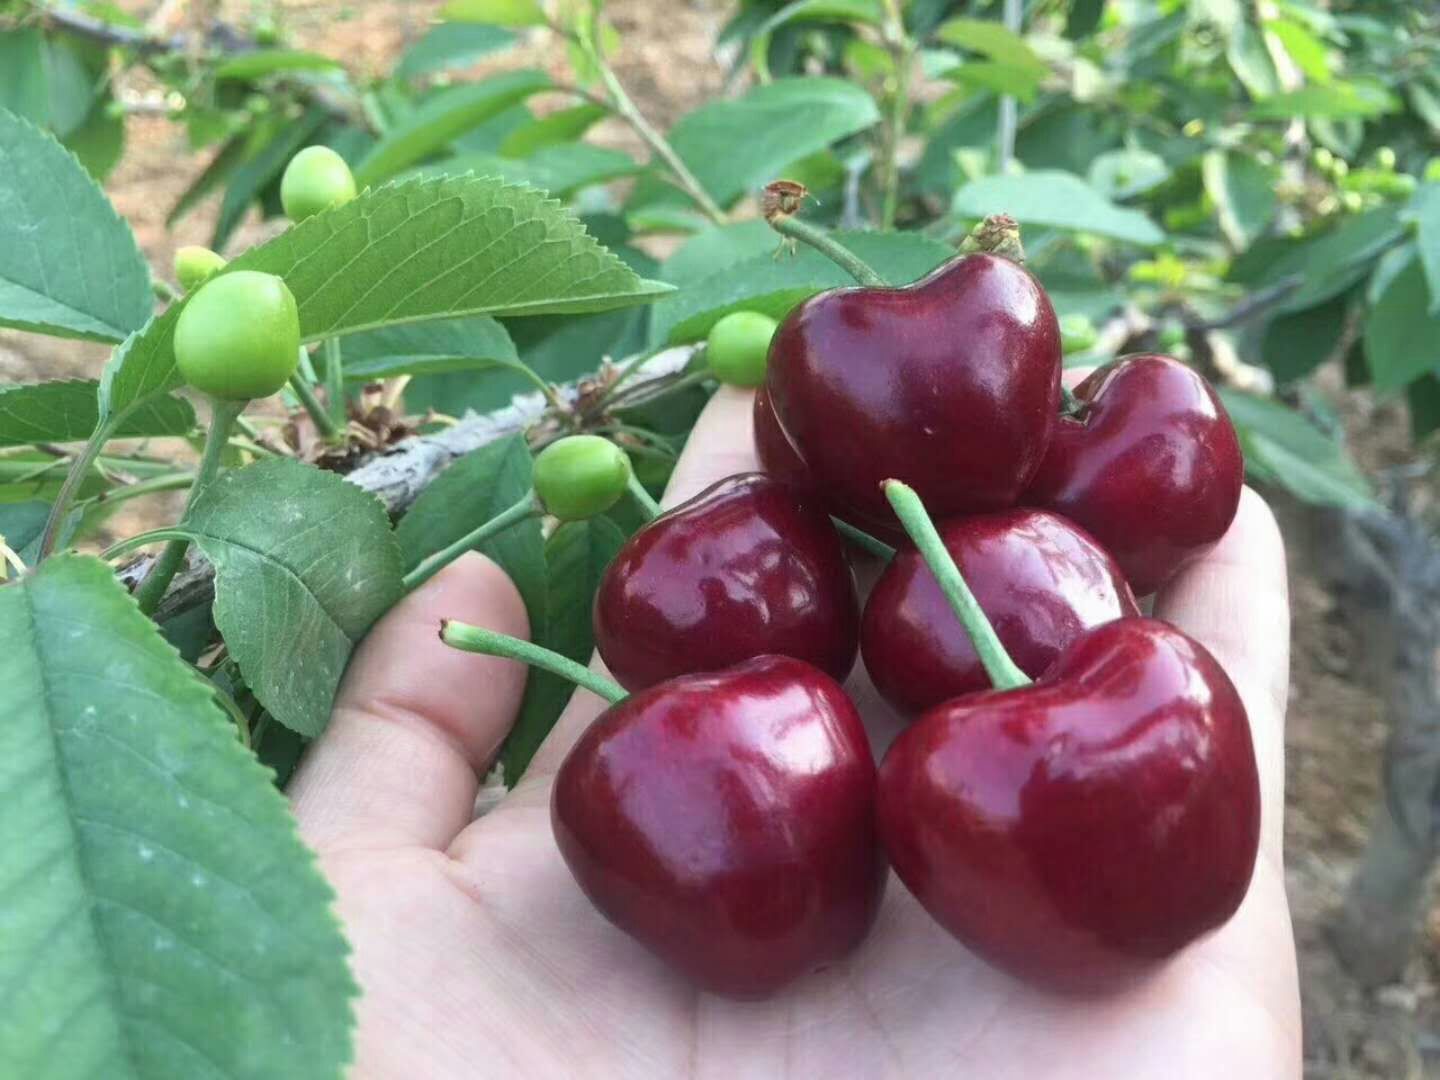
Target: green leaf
1333, 261
1283, 448
734, 147
1423, 397
443, 118
69, 266
557, 170
773, 285
451, 45
67, 410
45, 80
1251, 62
992, 39
558, 128
1013, 79
576, 557
1058, 199
471, 491
1083, 18
1363, 100
429, 348
409, 252
100, 140
802, 11
230, 157
1304, 48
1243, 191
21, 526
1424, 213
280, 142
263, 62
495, 12
1121, 174
1295, 344
154, 880
1402, 336
298, 582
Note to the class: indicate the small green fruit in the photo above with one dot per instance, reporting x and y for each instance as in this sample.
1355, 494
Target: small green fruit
316, 179
580, 476
195, 265
238, 336
737, 347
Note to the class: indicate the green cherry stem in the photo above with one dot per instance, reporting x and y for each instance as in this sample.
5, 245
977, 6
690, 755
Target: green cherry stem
222, 419
998, 234
477, 639
862, 539
1004, 675
318, 413
334, 382
527, 507
831, 248
1070, 405
643, 498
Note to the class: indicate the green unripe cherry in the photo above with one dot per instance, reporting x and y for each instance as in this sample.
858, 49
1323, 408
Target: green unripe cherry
737, 347
195, 265
580, 476
238, 336
316, 179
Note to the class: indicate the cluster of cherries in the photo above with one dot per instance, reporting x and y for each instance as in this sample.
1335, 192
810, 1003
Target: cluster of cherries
1076, 830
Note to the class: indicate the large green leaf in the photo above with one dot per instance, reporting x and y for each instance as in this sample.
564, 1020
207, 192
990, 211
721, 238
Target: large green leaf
734, 147
1402, 336
576, 557
992, 39
1424, 213
162, 918
408, 252
496, 12
444, 117
471, 491
1330, 263
1243, 191
47, 80
555, 129
429, 348
557, 170
1296, 343
67, 410
69, 266
304, 563
1059, 199
774, 285
1282, 447
451, 45
1337, 100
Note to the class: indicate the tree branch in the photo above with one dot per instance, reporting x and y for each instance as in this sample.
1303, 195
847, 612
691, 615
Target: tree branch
398, 475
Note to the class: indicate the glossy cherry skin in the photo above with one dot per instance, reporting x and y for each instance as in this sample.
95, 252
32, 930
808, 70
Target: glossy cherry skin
951, 384
1041, 580
773, 450
1151, 467
726, 822
750, 566
1079, 831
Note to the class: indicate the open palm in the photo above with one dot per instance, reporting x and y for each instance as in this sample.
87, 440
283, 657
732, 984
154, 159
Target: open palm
478, 955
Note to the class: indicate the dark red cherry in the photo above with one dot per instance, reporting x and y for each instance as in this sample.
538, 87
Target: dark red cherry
751, 565
951, 384
773, 450
1078, 831
1041, 580
1151, 467
726, 822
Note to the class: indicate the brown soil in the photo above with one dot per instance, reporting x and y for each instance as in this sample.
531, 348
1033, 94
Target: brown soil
1336, 729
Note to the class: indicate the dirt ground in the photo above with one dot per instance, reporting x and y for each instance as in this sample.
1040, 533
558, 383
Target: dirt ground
1335, 728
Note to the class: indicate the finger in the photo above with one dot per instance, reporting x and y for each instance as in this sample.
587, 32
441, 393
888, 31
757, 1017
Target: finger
722, 444
1235, 602
415, 722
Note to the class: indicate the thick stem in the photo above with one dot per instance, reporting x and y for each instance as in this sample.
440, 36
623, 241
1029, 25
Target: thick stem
222, 419
658, 144
862, 539
643, 497
335, 383
1003, 672
828, 246
527, 507
73, 479
314, 407
901, 51
477, 639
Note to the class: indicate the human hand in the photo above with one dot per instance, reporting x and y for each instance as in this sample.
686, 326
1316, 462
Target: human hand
478, 955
